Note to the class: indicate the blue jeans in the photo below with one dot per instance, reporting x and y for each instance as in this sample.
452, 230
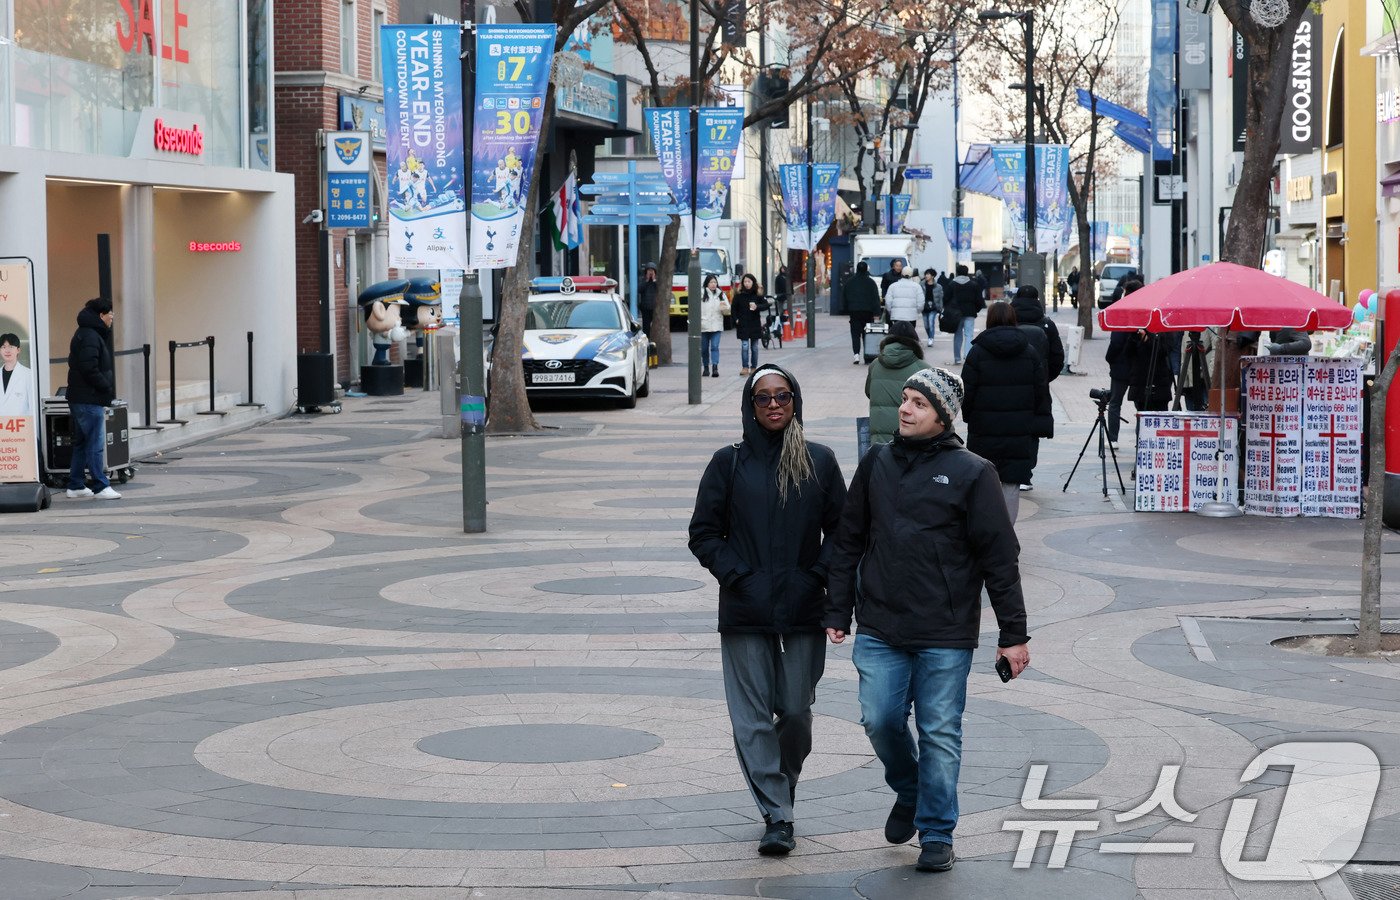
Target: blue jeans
962, 338
89, 434
709, 348
931, 324
934, 683
748, 353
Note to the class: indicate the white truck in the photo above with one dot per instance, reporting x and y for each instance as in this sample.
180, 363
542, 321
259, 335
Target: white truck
880, 250
718, 261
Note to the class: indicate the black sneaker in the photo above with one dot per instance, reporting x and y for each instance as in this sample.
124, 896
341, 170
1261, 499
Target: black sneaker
899, 827
935, 858
777, 840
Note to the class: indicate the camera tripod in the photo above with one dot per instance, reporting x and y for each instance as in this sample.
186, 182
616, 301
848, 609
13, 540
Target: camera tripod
1101, 430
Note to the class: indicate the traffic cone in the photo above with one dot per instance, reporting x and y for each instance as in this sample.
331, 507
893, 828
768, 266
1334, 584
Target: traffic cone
787, 329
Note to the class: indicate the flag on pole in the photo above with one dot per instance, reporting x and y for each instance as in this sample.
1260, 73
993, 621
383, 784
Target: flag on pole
565, 224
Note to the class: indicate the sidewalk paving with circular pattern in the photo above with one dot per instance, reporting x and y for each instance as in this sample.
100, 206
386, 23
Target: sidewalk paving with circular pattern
277, 668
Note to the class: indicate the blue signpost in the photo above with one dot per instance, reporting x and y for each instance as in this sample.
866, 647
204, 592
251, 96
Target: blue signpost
631, 199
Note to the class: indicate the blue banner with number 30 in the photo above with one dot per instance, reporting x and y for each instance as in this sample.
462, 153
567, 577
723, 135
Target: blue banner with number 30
512, 74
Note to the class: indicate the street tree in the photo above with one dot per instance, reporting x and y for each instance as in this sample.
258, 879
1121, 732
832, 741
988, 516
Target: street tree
1074, 49
823, 42
509, 407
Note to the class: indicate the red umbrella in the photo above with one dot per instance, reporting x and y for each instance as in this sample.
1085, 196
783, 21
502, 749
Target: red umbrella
1224, 295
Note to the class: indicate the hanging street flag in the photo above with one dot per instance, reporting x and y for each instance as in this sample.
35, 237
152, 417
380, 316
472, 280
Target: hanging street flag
959, 234
423, 146
1161, 79
669, 127
1008, 162
720, 131
513, 63
824, 176
896, 212
793, 178
1098, 240
1054, 215
565, 226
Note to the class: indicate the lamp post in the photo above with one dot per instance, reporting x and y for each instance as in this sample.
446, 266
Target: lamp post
1027, 20
693, 281
811, 241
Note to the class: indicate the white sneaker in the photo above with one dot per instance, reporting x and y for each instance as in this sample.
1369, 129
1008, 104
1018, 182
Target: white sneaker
107, 494
930, 342
856, 360
80, 494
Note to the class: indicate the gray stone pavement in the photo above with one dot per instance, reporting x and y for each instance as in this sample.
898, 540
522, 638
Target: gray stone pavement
277, 668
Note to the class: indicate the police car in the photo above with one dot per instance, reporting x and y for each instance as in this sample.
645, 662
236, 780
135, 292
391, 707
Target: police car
581, 341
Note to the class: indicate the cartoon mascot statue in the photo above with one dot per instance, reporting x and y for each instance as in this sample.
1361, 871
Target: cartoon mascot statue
382, 304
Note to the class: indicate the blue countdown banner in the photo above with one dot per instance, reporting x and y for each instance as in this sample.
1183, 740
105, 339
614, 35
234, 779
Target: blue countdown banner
669, 127
423, 147
959, 234
824, 176
793, 178
896, 212
718, 146
512, 74
794, 181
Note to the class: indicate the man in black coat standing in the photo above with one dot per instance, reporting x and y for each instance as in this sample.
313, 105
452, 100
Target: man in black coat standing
92, 387
895, 273
862, 304
646, 296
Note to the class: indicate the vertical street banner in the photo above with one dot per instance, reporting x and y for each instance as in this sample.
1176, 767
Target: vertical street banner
897, 212
1331, 481
423, 146
1009, 164
824, 177
1273, 427
513, 64
669, 127
958, 231
1195, 50
19, 383
1239, 88
1054, 216
347, 162
1098, 240
1177, 467
720, 131
1161, 79
793, 178
1302, 108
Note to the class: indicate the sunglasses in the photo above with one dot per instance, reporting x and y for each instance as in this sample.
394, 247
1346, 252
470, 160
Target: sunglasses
783, 398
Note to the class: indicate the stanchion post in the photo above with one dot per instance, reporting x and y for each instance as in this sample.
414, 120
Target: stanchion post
209, 341
149, 388
251, 401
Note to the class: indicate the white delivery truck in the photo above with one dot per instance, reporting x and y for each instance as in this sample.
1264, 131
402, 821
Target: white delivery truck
718, 261
880, 250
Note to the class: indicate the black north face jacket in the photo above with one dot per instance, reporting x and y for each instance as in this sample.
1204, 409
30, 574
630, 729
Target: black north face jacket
770, 558
924, 528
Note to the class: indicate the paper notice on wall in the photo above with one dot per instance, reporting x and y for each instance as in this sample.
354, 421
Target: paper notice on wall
1331, 476
1273, 425
1177, 464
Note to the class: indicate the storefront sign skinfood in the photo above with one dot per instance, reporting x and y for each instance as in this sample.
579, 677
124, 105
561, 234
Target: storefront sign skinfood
19, 385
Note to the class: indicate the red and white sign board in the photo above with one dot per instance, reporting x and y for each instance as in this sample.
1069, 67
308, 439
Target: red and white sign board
1177, 467
1332, 438
19, 392
1273, 434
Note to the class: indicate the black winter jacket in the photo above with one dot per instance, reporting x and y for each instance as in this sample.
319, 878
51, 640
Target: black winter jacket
1122, 349
1006, 402
1043, 334
91, 374
964, 296
1150, 388
770, 559
748, 323
862, 295
646, 296
924, 528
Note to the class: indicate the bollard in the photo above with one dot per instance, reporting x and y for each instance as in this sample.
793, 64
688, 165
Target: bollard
211, 411
250, 375
172, 420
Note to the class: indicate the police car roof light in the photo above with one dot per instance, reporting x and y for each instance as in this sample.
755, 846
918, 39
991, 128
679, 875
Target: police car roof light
569, 284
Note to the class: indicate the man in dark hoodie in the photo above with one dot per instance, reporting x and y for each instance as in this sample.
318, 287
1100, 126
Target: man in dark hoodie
765, 515
963, 295
1040, 330
862, 305
91, 388
924, 528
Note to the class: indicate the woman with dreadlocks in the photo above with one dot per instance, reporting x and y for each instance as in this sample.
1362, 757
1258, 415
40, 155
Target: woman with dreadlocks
765, 516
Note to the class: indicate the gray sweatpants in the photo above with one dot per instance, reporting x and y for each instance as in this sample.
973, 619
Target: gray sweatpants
770, 684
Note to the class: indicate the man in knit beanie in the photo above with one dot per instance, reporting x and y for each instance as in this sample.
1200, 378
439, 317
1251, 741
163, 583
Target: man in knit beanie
924, 528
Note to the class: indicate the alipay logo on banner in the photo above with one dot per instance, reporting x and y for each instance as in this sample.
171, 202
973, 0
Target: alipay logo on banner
423, 152
512, 74
720, 131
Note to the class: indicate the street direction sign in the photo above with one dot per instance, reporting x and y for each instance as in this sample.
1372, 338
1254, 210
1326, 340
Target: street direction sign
609, 209
918, 173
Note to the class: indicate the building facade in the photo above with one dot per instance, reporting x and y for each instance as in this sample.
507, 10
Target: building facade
151, 124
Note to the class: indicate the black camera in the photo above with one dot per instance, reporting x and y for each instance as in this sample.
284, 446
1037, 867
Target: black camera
1102, 395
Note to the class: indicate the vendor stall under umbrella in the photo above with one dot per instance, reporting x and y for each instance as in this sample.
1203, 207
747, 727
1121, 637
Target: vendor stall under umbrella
1227, 297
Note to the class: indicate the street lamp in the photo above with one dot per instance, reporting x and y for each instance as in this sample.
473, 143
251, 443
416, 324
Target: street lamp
1027, 20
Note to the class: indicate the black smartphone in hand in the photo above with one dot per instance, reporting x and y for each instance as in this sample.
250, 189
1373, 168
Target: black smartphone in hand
1004, 669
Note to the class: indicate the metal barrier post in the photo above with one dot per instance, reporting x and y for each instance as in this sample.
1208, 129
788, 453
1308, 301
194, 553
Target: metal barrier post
211, 411
172, 420
148, 391
250, 375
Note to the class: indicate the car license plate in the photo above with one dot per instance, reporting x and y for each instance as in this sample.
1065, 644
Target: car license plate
552, 378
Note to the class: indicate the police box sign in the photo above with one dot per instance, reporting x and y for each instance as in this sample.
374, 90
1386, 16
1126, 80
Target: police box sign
1302, 119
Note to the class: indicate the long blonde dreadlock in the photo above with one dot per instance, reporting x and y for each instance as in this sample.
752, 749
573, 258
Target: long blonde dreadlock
795, 461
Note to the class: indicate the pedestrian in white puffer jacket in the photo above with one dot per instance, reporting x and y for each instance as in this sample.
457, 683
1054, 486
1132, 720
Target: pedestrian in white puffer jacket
714, 306
904, 303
